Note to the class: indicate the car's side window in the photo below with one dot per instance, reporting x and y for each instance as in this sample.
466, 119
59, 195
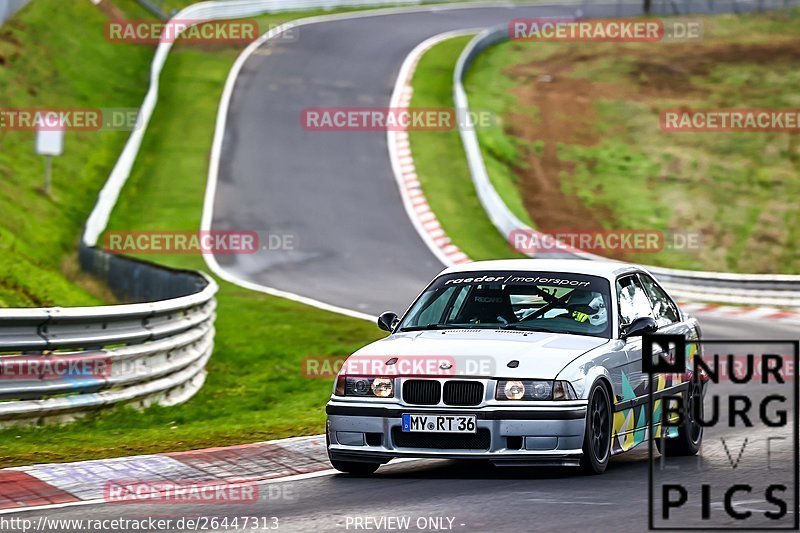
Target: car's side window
664, 309
633, 301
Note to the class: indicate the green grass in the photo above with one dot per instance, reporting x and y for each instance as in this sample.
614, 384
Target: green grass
736, 189
441, 164
255, 389
38, 68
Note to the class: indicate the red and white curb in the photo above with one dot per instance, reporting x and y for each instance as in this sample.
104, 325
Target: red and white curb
84, 482
417, 207
771, 314
422, 210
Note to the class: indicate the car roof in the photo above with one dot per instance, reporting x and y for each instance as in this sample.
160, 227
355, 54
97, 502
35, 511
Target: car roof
606, 269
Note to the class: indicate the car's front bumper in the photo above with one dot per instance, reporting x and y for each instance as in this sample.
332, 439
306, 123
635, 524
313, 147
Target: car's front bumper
552, 435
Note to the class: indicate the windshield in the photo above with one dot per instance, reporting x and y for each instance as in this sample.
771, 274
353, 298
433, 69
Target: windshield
530, 301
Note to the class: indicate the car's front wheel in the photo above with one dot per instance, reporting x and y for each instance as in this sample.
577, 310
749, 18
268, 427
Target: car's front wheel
597, 436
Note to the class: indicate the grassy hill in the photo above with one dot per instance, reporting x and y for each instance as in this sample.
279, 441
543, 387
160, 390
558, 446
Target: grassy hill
54, 55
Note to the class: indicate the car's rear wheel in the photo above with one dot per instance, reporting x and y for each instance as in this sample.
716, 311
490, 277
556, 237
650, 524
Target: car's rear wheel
690, 432
597, 435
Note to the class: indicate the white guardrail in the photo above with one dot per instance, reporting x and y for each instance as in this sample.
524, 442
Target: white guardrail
137, 354
717, 287
73, 360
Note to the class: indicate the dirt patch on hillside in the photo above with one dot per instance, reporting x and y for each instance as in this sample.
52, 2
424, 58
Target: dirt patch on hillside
566, 111
566, 114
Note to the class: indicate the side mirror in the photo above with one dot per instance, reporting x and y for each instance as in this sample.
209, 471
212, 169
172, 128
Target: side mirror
387, 321
641, 326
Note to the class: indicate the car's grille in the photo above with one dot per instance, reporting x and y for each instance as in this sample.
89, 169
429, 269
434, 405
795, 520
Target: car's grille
442, 441
422, 391
463, 392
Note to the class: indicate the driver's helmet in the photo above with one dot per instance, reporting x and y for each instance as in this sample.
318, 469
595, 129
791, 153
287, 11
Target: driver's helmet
592, 300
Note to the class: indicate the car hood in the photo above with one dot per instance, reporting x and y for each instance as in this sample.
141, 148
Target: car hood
473, 352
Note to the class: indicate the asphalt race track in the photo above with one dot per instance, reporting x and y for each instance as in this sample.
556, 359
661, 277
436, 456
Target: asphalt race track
333, 191
357, 249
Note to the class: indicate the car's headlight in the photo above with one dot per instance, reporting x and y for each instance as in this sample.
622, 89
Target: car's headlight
512, 390
364, 386
382, 387
534, 389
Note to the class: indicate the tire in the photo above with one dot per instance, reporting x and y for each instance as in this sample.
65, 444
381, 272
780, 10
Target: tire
690, 434
355, 467
597, 435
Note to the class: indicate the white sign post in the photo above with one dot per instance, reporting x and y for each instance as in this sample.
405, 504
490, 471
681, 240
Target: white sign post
49, 142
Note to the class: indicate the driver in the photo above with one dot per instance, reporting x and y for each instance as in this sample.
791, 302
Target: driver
593, 311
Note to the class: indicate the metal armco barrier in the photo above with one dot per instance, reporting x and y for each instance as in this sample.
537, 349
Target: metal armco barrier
140, 353
717, 287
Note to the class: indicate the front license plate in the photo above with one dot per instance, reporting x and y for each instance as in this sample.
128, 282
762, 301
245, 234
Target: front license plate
439, 423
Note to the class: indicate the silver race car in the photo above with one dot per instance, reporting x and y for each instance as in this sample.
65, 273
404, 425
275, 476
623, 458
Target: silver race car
529, 361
